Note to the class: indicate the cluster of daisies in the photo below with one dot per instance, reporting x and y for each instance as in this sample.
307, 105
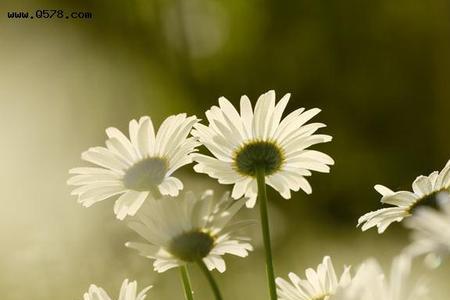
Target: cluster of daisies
248, 148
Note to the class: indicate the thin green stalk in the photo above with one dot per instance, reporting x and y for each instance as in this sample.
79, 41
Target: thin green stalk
212, 282
262, 197
186, 283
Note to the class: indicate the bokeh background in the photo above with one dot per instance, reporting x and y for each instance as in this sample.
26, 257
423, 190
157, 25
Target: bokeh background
379, 70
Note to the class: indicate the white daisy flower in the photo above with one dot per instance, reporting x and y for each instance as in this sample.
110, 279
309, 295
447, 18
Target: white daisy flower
371, 283
318, 285
128, 291
137, 167
425, 189
186, 230
243, 142
431, 232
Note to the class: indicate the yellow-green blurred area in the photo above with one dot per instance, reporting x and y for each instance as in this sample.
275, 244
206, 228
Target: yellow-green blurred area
379, 70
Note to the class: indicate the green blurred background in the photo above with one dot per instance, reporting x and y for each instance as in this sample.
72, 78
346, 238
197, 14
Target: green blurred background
379, 70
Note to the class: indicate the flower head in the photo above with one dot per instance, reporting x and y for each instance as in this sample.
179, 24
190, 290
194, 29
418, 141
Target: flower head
128, 291
256, 139
136, 167
179, 231
425, 189
319, 284
431, 231
371, 283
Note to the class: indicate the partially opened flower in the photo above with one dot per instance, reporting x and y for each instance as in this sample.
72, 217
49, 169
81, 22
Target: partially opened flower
425, 189
190, 229
319, 284
250, 141
128, 291
371, 283
137, 167
431, 232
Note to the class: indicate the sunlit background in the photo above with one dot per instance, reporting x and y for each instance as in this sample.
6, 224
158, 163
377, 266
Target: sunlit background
379, 70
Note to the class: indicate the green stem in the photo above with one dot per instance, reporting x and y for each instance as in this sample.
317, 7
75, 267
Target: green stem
212, 282
262, 197
186, 283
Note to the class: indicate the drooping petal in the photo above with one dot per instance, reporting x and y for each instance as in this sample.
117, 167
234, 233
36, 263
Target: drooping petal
129, 203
